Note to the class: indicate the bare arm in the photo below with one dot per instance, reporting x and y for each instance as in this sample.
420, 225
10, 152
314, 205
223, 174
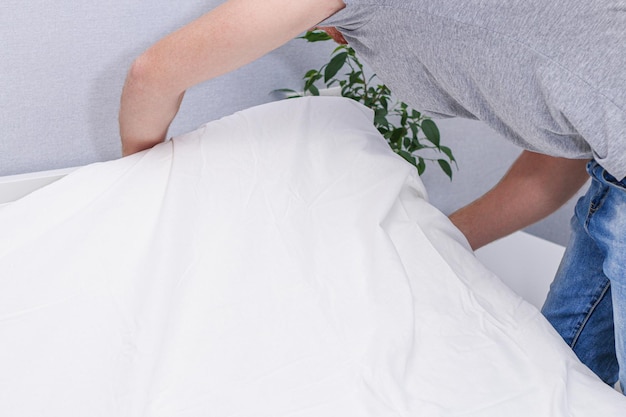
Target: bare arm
535, 186
228, 37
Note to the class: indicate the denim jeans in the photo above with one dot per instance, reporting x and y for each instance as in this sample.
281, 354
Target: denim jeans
587, 300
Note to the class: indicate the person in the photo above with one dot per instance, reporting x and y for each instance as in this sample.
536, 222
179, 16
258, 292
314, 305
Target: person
548, 76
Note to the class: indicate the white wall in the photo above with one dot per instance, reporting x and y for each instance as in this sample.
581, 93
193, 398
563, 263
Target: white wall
63, 66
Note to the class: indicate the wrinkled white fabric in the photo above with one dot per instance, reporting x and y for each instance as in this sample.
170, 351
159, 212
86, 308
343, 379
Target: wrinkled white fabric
278, 262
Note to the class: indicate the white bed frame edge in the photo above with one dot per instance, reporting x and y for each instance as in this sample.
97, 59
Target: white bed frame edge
14, 187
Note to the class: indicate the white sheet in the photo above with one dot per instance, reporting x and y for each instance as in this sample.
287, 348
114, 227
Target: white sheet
278, 262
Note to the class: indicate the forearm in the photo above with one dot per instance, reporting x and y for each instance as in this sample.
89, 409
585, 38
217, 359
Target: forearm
145, 113
233, 34
535, 186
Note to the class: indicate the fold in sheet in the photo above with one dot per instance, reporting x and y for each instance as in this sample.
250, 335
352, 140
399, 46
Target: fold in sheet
278, 262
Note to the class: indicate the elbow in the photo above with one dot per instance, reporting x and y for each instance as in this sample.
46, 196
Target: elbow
142, 74
149, 74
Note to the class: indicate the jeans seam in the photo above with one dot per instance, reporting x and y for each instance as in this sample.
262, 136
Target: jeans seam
594, 205
588, 315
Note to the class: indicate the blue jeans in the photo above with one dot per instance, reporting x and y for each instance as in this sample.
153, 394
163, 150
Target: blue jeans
587, 300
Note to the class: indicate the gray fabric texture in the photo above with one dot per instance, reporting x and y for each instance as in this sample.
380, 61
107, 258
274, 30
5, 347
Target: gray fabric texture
548, 75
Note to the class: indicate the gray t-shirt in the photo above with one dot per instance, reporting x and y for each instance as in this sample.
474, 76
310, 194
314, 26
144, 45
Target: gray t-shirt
550, 75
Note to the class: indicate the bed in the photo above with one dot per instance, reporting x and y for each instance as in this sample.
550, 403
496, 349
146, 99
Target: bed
281, 261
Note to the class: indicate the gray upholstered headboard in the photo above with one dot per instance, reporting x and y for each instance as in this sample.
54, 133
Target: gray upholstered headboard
63, 64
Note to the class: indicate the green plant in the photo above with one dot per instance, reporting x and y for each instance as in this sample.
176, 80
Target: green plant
399, 124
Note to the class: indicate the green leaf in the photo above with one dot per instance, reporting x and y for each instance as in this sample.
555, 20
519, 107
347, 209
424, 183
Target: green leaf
397, 134
356, 77
431, 131
335, 65
403, 118
309, 84
311, 73
384, 102
421, 166
448, 152
445, 166
316, 36
380, 117
410, 158
417, 144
